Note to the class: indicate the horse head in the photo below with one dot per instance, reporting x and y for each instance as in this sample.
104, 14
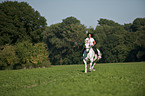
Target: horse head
87, 46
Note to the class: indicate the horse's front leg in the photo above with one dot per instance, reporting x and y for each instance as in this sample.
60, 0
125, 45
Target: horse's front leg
93, 66
90, 69
85, 65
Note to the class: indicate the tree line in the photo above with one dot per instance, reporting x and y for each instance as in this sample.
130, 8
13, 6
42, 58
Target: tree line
26, 41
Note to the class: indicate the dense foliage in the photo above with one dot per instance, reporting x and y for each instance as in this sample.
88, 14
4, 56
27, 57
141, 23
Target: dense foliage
118, 43
19, 22
121, 43
24, 55
23, 31
65, 41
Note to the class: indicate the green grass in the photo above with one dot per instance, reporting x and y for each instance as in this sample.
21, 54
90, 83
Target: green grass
114, 79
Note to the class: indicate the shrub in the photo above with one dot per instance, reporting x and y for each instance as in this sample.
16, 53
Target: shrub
8, 57
24, 55
32, 55
24, 51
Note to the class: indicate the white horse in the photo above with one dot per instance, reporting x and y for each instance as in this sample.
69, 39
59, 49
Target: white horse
89, 54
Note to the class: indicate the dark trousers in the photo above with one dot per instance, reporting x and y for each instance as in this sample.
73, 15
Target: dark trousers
94, 48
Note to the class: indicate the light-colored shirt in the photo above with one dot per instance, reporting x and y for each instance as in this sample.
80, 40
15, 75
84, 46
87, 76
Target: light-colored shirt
91, 40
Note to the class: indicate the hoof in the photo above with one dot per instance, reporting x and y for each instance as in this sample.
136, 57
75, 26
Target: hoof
90, 70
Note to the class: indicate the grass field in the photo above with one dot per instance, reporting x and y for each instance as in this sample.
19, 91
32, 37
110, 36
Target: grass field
116, 79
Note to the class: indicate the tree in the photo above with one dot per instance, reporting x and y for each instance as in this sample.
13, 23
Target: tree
65, 41
21, 29
137, 52
111, 40
70, 20
128, 27
138, 24
107, 22
19, 22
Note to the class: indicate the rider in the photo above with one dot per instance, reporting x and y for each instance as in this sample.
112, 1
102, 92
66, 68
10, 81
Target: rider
91, 41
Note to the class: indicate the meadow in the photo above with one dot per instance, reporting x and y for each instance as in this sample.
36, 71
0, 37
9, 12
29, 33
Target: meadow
110, 79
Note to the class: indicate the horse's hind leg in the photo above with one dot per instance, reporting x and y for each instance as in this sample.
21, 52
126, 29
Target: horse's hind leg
94, 62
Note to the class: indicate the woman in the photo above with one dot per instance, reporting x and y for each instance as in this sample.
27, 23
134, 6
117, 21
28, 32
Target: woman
91, 41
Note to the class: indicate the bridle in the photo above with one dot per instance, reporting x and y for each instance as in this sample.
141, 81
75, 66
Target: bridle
88, 47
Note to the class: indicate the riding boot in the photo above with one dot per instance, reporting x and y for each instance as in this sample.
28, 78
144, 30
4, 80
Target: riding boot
95, 49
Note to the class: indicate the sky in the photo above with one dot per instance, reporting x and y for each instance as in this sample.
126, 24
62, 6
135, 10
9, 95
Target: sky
89, 11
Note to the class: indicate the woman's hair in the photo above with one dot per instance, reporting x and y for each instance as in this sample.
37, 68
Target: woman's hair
91, 34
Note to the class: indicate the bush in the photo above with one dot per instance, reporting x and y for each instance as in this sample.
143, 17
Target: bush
32, 56
24, 55
8, 57
24, 51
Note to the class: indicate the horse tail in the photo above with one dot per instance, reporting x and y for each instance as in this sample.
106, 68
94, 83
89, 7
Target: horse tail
99, 54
